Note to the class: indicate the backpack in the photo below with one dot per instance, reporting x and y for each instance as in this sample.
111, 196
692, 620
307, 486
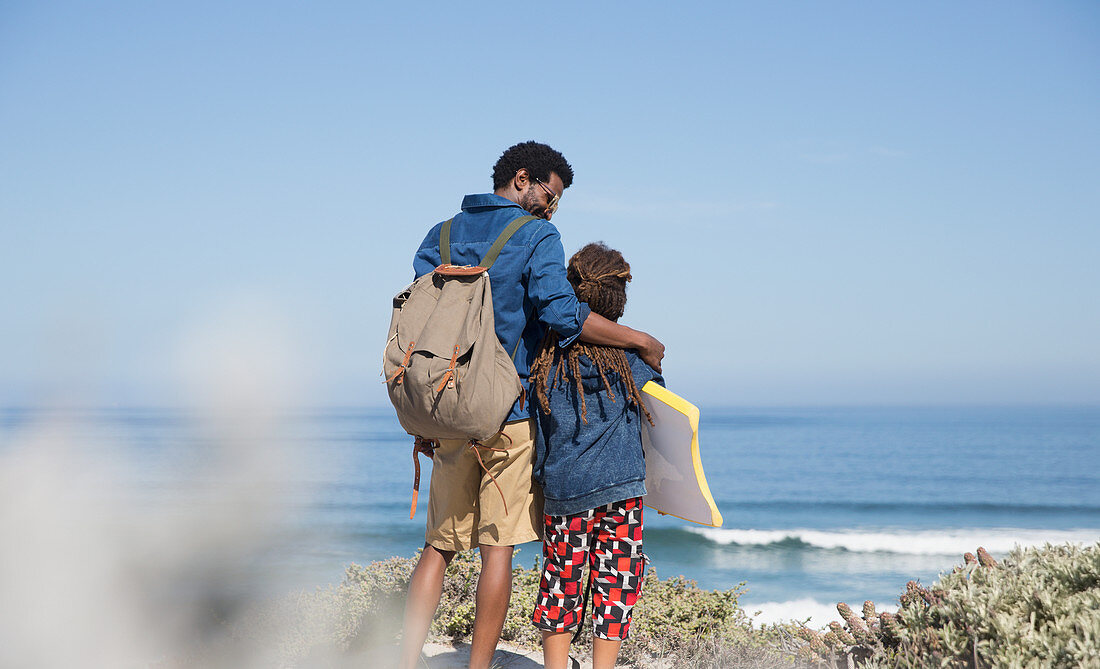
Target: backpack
447, 374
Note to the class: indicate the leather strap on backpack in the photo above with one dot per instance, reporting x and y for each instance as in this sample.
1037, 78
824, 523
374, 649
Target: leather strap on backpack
494, 250
427, 447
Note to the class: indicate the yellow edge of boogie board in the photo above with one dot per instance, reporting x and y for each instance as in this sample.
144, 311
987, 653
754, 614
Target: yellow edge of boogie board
675, 483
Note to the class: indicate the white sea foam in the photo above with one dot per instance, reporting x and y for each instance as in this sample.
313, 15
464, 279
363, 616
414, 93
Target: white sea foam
923, 542
819, 613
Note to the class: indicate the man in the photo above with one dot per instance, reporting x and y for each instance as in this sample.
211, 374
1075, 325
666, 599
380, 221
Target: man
466, 508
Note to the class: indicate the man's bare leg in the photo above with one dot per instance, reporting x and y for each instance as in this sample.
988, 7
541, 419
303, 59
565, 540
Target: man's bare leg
605, 652
555, 649
494, 590
425, 589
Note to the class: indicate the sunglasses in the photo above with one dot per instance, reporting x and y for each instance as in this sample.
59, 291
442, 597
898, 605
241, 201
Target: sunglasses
552, 205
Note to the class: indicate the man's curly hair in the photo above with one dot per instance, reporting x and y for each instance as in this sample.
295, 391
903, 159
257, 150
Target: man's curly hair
539, 159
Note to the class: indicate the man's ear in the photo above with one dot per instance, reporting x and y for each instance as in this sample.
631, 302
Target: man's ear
522, 180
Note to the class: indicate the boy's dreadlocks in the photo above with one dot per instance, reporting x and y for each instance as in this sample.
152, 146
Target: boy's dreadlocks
598, 275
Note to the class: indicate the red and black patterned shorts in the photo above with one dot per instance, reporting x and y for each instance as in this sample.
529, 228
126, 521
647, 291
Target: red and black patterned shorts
609, 539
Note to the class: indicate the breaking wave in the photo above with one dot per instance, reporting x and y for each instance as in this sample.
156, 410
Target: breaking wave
917, 542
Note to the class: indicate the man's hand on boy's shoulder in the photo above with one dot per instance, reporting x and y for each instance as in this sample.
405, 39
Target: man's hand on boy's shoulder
650, 350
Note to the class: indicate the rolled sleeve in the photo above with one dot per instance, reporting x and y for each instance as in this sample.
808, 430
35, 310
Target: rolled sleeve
582, 315
556, 305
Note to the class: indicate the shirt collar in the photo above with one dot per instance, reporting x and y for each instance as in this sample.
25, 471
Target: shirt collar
487, 200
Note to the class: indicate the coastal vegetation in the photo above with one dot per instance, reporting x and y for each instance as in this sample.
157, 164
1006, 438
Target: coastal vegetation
1039, 607
675, 621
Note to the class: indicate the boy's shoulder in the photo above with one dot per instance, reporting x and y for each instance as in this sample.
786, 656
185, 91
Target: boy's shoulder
642, 372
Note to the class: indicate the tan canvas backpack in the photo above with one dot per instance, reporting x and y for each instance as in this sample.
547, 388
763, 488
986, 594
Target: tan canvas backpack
447, 374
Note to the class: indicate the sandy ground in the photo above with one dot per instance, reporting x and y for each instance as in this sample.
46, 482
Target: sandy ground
446, 656
457, 656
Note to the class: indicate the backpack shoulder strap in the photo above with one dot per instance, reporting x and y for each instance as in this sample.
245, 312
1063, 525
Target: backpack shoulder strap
494, 250
445, 242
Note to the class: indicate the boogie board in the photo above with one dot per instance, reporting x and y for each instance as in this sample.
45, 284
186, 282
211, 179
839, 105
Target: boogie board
674, 479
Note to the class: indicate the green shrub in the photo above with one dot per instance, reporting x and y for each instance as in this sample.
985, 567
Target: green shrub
675, 622
1039, 608
312, 628
678, 623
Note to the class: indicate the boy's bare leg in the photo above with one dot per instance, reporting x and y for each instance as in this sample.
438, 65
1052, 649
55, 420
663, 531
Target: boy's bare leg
494, 590
605, 652
425, 589
555, 649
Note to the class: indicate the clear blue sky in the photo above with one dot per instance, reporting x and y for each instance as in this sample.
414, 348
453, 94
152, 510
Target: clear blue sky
824, 203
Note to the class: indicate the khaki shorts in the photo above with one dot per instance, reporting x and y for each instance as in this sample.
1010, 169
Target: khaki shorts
464, 507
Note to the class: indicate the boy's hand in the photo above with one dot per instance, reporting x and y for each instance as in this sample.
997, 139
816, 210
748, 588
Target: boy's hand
650, 350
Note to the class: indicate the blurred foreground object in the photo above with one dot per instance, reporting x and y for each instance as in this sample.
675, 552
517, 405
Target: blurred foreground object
101, 567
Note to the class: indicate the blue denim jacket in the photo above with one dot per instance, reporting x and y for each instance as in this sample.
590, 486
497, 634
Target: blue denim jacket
528, 277
583, 466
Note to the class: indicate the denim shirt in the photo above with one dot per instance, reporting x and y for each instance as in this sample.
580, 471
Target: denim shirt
583, 466
527, 279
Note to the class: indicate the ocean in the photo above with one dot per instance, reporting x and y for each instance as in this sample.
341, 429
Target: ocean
821, 505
